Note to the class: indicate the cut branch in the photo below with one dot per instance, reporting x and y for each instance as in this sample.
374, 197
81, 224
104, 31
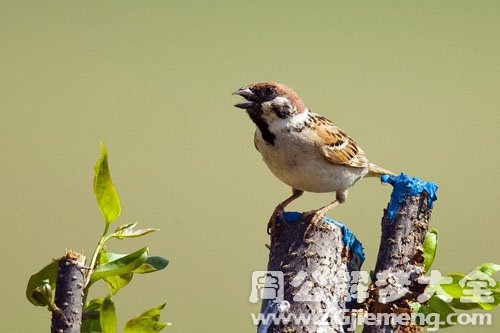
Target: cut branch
399, 262
69, 294
316, 276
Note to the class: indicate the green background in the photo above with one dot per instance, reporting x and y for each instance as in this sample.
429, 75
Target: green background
416, 83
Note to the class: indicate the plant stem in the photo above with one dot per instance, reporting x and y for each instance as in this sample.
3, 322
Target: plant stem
98, 249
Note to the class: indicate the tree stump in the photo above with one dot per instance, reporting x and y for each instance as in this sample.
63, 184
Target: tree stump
315, 271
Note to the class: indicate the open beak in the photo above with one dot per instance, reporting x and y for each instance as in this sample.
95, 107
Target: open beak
248, 94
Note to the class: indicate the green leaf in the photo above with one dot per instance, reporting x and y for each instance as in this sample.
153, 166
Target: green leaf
105, 257
123, 265
117, 282
152, 264
143, 325
46, 275
147, 322
127, 231
91, 319
435, 305
93, 305
489, 268
494, 304
154, 312
108, 316
455, 303
454, 289
415, 306
106, 195
430, 247
440, 306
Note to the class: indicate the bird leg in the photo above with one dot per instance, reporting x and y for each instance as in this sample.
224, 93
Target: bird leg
318, 215
280, 210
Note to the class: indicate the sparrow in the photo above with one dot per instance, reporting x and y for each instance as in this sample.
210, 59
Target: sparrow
304, 150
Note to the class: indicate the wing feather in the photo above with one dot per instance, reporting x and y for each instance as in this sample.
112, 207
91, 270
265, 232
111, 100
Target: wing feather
337, 147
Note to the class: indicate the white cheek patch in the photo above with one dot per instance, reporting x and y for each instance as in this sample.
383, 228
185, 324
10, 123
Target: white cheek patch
296, 120
282, 101
299, 118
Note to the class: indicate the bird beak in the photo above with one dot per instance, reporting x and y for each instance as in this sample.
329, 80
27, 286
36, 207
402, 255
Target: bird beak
248, 94
245, 92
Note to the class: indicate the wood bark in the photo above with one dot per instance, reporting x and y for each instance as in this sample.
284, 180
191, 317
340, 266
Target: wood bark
69, 294
316, 278
399, 263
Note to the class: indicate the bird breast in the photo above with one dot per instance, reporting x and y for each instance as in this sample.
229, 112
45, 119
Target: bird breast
296, 159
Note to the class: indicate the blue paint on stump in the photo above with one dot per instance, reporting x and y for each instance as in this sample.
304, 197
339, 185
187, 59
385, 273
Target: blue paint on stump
405, 186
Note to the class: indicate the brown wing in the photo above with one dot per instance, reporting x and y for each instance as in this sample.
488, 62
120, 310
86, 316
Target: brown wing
338, 147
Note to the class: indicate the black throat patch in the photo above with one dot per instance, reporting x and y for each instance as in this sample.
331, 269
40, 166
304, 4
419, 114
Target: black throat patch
257, 118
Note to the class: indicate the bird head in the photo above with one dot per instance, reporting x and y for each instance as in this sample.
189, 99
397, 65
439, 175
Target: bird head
270, 102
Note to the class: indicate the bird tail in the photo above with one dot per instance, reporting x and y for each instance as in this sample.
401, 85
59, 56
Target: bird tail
376, 171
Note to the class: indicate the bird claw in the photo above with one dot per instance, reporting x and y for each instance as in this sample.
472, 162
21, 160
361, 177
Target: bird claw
272, 224
281, 215
317, 217
314, 217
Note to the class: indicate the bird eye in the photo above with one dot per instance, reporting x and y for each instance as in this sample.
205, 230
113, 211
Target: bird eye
269, 91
